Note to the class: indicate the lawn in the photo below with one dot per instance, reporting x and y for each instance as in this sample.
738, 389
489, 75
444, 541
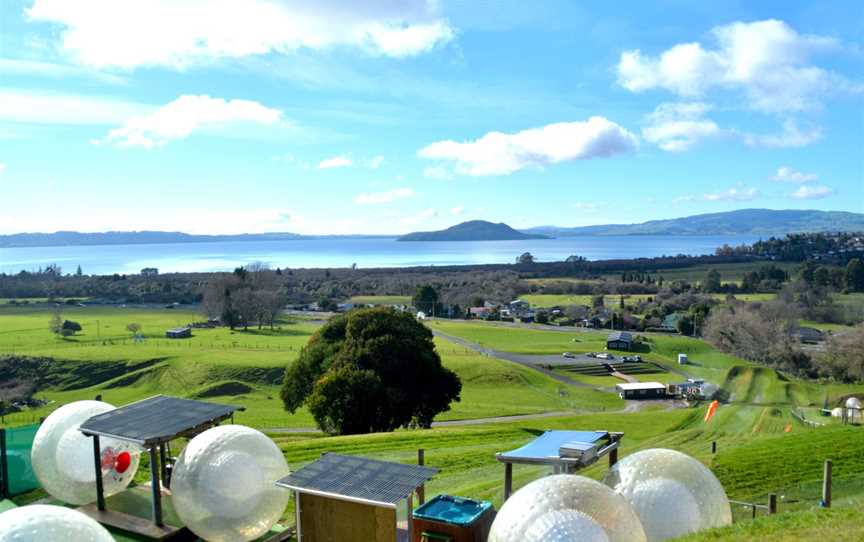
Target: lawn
561, 300
240, 367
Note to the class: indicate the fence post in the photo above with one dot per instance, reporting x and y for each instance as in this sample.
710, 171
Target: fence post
826, 484
772, 503
713, 446
421, 491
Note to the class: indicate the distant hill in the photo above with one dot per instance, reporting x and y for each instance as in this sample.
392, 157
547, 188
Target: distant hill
74, 238
473, 230
763, 222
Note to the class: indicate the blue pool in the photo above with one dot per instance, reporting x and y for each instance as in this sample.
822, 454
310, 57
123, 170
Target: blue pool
454, 510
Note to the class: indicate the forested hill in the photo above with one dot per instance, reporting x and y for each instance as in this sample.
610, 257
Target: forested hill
762, 222
473, 230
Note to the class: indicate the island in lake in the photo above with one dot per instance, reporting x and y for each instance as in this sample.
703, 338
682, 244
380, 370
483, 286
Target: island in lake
473, 230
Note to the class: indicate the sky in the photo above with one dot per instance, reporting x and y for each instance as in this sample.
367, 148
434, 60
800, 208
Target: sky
389, 116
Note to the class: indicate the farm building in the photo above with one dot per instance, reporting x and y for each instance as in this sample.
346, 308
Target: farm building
619, 340
809, 335
518, 307
641, 390
179, 333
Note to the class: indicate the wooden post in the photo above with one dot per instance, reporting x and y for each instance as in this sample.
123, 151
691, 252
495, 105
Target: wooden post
613, 457
772, 504
826, 484
713, 446
508, 480
421, 491
97, 463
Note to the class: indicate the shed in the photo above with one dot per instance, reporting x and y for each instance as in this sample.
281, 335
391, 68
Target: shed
344, 497
619, 340
151, 423
641, 390
179, 333
809, 335
565, 451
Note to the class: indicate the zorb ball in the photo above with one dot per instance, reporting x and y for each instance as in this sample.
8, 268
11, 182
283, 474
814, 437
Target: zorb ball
672, 493
224, 484
62, 456
45, 523
564, 508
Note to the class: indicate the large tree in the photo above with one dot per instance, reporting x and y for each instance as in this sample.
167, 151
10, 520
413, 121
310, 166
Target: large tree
855, 275
370, 370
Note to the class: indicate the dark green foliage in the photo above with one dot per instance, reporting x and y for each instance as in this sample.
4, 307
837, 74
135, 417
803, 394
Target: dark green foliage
426, 299
712, 282
370, 370
69, 325
855, 275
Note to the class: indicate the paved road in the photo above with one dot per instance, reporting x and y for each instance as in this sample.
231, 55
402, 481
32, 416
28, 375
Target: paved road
448, 423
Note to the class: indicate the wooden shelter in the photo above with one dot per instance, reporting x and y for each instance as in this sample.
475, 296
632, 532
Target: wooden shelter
151, 423
342, 497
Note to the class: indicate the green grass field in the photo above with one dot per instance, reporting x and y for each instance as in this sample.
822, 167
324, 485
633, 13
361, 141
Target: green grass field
562, 300
762, 448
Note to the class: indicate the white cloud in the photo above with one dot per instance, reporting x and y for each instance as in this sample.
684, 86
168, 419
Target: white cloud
34, 107
387, 196
185, 115
438, 172
677, 127
791, 137
789, 175
375, 162
15, 66
458, 210
766, 60
180, 33
498, 153
812, 192
739, 193
336, 162
418, 218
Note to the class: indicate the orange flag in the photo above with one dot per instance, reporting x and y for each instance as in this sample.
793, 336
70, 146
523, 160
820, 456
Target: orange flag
712, 408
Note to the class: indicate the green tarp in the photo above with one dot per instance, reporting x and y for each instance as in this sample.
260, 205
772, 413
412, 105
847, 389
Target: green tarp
19, 475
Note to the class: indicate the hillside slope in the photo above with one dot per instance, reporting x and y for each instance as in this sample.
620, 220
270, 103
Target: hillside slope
473, 230
761, 222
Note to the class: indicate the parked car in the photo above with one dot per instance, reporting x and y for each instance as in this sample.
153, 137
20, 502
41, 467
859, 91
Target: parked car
632, 358
570, 355
605, 355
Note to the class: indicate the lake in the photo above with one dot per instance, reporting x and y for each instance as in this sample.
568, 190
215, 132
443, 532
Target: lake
376, 252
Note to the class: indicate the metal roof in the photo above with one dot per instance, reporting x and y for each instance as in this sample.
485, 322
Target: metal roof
620, 336
358, 479
157, 419
546, 447
640, 386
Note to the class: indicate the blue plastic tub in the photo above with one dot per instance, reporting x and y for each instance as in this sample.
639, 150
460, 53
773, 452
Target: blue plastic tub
453, 510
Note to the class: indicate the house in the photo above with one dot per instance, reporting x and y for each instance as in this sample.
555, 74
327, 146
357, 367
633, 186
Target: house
518, 307
344, 307
619, 340
480, 312
691, 388
641, 390
149, 272
179, 333
809, 335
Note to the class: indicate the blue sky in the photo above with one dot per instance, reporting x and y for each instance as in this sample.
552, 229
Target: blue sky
391, 116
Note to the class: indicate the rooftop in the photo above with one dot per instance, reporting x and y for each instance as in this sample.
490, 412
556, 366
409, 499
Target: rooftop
629, 386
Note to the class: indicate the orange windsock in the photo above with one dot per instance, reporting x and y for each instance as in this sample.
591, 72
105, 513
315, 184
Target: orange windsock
712, 408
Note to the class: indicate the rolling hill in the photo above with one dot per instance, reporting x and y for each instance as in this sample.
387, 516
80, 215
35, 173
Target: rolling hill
762, 222
473, 230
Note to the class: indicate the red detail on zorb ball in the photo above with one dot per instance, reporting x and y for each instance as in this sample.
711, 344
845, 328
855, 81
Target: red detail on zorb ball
122, 462
108, 458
